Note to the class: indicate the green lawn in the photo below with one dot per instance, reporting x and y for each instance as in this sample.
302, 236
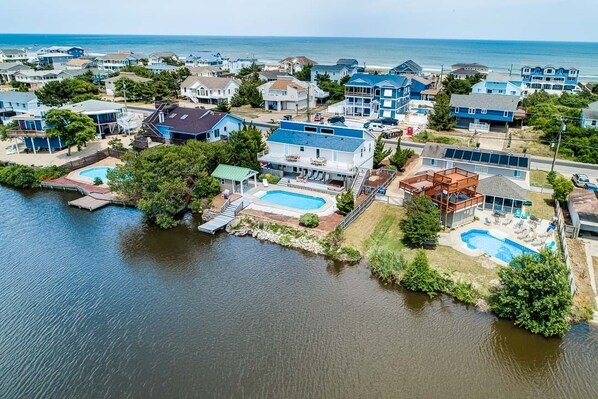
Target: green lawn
542, 207
538, 178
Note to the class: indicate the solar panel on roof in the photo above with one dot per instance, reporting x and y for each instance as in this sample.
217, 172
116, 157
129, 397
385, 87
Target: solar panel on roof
494, 158
504, 160
485, 157
523, 162
467, 155
458, 154
513, 160
449, 153
476, 156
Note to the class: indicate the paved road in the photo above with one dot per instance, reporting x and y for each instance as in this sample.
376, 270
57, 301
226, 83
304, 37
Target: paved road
562, 166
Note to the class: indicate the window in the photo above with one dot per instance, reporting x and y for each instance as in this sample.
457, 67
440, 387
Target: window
484, 111
310, 129
457, 109
594, 123
506, 114
224, 128
326, 130
517, 173
301, 148
432, 162
387, 93
471, 111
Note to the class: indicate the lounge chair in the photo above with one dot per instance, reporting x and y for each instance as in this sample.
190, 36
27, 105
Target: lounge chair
518, 213
487, 222
302, 173
508, 219
309, 174
525, 215
265, 182
525, 233
318, 177
538, 241
530, 238
496, 220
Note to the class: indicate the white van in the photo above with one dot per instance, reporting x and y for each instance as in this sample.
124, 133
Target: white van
376, 127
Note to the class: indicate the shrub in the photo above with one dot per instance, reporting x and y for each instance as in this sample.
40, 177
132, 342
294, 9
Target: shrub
462, 291
562, 188
422, 223
97, 181
273, 179
19, 176
206, 187
309, 220
50, 172
534, 292
349, 254
419, 276
400, 157
550, 177
387, 265
345, 202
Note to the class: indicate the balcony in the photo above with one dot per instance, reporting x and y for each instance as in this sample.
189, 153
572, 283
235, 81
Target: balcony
25, 133
295, 160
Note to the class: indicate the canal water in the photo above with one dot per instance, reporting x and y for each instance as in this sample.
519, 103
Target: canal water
97, 305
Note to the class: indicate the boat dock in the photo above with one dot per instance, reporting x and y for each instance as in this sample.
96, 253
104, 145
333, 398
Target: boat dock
221, 221
91, 202
94, 197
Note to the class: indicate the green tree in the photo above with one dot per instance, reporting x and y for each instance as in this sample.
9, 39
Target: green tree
223, 106
305, 73
58, 93
245, 145
173, 62
336, 91
534, 292
562, 188
380, 153
8, 126
248, 94
70, 127
452, 85
419, 276
19, 86
401, 156
250, 70
440, 118
345, 202
421, 225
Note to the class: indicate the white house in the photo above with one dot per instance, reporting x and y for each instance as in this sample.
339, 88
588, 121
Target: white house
335, 72
14, 103
287, 93
499, 83
110, 83
206, 71
38, 79
13, 55
318, 152
158, 57
235, 66
211, 90
116, 62
9, 69
295, 64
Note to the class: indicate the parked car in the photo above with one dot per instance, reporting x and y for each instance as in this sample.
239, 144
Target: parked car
376, 127
580, 180
318, 117
390, 121
591, 186
336, 119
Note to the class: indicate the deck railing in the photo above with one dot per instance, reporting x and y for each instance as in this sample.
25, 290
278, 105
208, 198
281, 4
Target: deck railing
562, 237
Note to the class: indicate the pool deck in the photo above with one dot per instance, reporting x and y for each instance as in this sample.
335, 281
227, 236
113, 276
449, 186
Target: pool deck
75, 176
453, 238
254, 195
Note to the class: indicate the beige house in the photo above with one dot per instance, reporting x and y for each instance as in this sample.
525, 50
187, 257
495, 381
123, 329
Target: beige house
210, 90
111, 82
208, 71
295, 64
287, 93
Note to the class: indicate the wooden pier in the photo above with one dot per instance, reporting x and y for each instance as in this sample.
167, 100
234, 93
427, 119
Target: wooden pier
94, 197
91, 202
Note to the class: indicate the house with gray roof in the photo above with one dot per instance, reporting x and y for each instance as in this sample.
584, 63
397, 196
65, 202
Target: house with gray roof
105, 114
348, 62
210, 90
589, 116
13, 55
482, 112
8, 70
271, 76
486, 163
335, 72
583, 209
408, 67
158, 57
321, 153
502, 194
117, 61
13, 103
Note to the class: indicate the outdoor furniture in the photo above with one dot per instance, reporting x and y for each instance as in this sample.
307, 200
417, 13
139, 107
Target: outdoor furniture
292, 158
518, 213
496, 220
508, 219
318, 177
530, 238
519, 224
525, 233
487, 222
309, 174
265, 182
525, 215
538, 241
318, 161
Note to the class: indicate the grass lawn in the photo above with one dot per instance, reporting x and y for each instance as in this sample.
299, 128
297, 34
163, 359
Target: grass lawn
378, 227
543, 207
538, 178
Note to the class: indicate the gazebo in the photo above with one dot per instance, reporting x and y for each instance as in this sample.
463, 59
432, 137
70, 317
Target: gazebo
234, 178
502, 194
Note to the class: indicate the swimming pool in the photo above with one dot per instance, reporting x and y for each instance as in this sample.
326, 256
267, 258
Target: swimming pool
497, 247
97, 171
293, 200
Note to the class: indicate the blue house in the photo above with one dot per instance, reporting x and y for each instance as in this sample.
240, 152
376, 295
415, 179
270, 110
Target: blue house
483, 111
32, 131
204, 58
377, 95
334, 72
176, 124
500, 84
419, 84
550, 78
408, 67
53, 59
74, 51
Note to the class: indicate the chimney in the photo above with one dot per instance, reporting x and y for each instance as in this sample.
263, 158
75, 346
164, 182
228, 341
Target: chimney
161, 117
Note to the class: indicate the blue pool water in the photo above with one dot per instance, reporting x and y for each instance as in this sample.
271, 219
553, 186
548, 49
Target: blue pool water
293, 200
422, 111
98, 171
503, 249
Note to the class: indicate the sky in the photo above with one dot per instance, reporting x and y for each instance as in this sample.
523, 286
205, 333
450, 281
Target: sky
550, 20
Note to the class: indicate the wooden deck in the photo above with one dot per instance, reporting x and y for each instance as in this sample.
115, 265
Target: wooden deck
221, 221
89, 202
94, 197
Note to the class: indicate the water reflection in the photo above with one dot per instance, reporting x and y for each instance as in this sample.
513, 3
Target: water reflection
514, 347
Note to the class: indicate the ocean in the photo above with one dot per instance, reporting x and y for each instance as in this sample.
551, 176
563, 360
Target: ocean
431, 54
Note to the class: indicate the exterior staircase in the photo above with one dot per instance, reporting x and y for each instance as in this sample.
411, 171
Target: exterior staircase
357, 185
222, 220
284, 182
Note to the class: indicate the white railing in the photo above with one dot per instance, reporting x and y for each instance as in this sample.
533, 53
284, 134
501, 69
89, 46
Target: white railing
562, 236
479, 127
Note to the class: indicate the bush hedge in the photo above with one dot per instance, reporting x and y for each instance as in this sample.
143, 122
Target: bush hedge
309, 220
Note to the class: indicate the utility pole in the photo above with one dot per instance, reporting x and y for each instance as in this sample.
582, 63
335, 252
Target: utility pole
125, 95
558, 143
308, 98
441, 73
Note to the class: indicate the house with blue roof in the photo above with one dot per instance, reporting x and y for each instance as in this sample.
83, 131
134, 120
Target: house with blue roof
320, 153
408, 67
499, 84
377, 96
204, 58
549, 78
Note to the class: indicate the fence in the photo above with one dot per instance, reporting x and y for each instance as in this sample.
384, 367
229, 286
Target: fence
479, 127
562, 236
93, 158
354, 214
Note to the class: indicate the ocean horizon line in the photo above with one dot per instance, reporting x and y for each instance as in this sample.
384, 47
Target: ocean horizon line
166, 35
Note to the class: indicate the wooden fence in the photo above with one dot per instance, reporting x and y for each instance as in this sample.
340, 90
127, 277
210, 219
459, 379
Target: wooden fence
562, 236
93, 158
